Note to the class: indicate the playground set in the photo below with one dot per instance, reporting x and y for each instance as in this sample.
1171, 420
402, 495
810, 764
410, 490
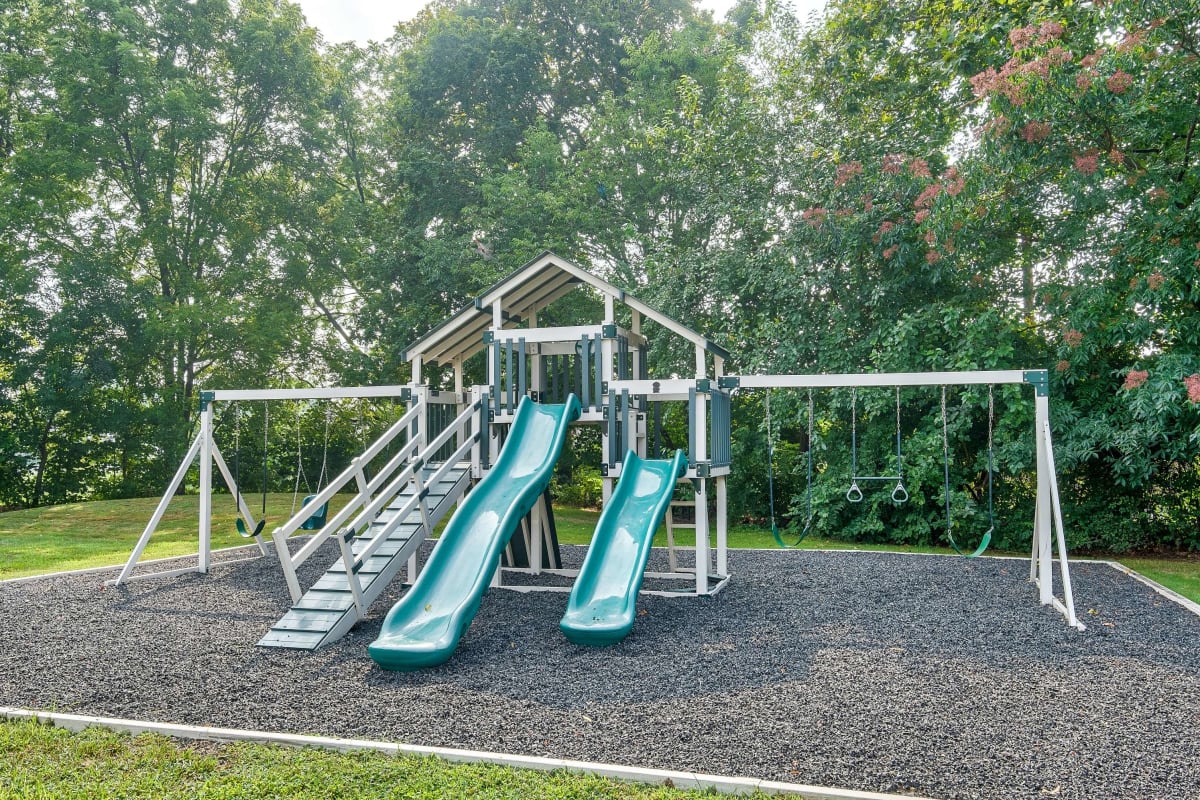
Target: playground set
488, 451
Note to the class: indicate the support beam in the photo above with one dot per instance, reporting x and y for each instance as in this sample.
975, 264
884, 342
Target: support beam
206, 462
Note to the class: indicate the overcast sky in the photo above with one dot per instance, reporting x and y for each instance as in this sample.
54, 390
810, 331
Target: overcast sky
374, 20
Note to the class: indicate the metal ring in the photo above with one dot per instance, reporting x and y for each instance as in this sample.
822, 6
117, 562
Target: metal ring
899, 494
854, 494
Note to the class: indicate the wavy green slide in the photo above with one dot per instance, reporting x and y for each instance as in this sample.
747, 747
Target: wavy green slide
426, 624
603, 600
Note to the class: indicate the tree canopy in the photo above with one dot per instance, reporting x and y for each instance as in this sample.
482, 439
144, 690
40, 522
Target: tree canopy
208, 194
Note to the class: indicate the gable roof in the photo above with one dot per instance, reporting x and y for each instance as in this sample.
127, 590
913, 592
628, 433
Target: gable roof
526, 291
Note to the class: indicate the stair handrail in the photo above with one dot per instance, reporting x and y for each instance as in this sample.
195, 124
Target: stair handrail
355, 471
458, 426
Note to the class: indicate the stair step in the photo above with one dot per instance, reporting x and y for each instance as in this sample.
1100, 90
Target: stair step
388, 548
297, 619
336, 582
376, 563
296, 640
326, 600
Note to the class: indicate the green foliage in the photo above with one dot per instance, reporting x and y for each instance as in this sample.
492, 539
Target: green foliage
582, 489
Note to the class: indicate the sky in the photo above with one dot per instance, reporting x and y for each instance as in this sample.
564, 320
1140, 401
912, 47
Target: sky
374, 20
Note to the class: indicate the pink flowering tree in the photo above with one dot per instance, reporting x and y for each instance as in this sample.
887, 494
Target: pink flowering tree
1089, 135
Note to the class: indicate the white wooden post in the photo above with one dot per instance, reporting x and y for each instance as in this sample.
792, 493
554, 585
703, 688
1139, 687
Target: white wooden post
1040, 567
700, 437
702, 536
722, 527
206, 443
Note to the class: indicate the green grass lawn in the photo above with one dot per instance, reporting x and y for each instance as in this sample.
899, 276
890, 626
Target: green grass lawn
40, 761
103, 533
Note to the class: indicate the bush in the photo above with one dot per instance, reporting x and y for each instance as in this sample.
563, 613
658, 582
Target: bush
584, 489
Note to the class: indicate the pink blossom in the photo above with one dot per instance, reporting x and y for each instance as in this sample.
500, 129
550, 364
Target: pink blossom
886, 227
893, 163
1085, 78
953, 182
919, 168
846, 172
1087, 163
1090, 60
1117, 156
1049, 31
1155, 280
1059, 55
1039, 67
891, 251
930, 238
868, 203
921, 216
1158, 194
1073, 338
984, 82
1035, 131
933, 256
1192, 382
1119, 81
1062, 366
842, 213
1021, 37
814, 216
1135, 378
927, 196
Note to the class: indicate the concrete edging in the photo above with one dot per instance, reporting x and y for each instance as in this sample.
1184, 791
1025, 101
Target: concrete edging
679, 780
1170, 594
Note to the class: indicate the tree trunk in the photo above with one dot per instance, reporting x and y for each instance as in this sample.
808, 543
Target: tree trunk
43, 457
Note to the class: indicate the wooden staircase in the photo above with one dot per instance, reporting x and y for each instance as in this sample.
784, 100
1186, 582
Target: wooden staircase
327, 610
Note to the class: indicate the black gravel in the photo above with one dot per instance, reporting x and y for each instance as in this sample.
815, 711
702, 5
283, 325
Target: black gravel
911, 674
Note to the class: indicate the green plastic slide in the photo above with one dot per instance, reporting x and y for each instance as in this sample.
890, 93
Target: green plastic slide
426, 624
603, 600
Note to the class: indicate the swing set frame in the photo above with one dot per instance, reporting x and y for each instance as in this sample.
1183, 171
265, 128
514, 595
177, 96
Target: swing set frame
1049, 538
205, 448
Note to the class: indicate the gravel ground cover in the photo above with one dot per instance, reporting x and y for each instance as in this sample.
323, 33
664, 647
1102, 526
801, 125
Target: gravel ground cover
899, 673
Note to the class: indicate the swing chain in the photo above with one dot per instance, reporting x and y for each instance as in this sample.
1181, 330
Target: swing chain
946, 465
854, 494
809, 479
300, 473
899, 494
770, 464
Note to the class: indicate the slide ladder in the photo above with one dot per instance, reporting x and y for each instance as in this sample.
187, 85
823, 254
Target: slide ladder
396, 511
603, 601
424, 627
